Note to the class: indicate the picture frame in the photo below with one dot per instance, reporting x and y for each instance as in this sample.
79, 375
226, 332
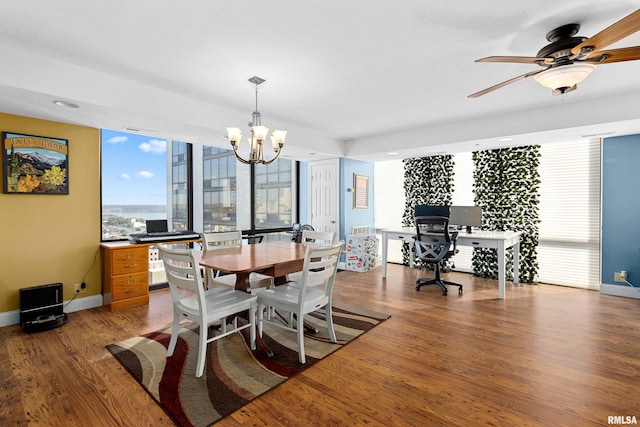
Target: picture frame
34, 164
361, 191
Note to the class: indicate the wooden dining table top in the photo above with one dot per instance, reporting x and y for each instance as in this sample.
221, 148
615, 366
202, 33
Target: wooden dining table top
276, 259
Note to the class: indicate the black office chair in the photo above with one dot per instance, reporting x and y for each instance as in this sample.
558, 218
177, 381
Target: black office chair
434, 244
296, 232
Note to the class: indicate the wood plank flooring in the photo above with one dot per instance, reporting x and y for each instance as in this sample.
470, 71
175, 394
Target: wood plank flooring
544, 356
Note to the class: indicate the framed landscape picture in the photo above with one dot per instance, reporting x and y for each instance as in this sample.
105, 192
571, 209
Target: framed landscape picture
35, 164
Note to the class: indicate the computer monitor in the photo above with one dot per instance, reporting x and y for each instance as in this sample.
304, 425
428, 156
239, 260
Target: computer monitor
468, 216
431, 210
157, 225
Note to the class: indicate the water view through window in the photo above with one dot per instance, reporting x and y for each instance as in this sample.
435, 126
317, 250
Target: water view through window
134, 182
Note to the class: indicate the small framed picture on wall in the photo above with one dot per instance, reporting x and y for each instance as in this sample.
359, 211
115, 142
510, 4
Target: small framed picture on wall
361, 191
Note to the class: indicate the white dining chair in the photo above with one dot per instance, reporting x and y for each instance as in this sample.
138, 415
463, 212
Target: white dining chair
228, 239
203, 307
320, 265
313, 237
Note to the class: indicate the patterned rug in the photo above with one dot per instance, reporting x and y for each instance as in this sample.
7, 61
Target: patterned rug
234, 375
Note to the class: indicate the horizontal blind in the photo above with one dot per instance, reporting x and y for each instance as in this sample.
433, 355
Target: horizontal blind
390, 200
463, 196
569, 231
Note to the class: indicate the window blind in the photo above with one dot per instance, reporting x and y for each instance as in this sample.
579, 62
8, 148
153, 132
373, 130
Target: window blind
569, 239
463, 196
390, 200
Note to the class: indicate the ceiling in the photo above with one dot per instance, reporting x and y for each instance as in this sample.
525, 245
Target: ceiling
356, 78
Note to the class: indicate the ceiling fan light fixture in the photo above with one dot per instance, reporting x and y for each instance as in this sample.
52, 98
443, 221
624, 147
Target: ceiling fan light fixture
565, 76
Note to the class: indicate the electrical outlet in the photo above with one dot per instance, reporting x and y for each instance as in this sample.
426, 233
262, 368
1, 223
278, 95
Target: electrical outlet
620, 276
79, 289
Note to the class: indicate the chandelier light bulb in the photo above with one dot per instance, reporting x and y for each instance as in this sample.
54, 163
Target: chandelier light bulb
260, 133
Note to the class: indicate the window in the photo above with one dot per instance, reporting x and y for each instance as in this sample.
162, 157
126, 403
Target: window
180, 188
569, 241
463, 196
195, 187
227, 193
219, 183
273, 202
390, 200
134, 182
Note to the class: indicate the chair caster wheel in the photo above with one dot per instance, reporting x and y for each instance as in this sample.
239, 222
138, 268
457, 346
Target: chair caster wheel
444, 293
417, 288
460, 291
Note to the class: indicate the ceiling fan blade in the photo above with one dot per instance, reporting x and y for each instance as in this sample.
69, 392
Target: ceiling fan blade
515, 59
505, 83
614, 55
621, 29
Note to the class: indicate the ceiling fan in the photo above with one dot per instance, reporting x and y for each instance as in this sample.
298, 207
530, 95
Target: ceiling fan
568, 59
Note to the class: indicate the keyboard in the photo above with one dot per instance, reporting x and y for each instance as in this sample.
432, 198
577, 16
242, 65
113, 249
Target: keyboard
163, 236
161, 233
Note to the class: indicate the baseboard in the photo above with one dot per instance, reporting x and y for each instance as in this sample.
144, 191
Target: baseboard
9, 318
78, 304
620, 290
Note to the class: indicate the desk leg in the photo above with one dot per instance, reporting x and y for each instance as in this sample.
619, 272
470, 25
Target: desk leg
516, 262
412, 254
501, 269
385, 248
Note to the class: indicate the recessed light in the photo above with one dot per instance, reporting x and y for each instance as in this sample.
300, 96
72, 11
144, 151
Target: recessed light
137, 130
66, 104
392, 153
505, 139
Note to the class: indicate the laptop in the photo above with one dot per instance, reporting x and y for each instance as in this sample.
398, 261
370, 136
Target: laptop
157, 226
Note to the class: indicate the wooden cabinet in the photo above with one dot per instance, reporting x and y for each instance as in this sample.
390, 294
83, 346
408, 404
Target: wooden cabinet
125, 272
125, 278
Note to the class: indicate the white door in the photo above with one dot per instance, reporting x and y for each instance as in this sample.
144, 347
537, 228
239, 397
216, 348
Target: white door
324, 199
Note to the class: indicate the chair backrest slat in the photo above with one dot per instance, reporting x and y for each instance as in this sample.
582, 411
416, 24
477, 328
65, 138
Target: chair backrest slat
183, 271
320, 266
322, 237
224, 239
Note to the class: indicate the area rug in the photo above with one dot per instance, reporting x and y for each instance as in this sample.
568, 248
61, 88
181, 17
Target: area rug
234, 375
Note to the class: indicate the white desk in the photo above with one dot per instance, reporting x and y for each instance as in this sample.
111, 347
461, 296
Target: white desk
500, 240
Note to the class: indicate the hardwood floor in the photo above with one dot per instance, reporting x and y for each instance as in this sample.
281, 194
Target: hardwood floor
544, 356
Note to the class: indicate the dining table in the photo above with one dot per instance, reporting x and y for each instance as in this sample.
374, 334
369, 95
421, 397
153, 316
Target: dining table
275, 259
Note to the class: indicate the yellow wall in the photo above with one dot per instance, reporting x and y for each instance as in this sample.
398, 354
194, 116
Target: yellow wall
52, 238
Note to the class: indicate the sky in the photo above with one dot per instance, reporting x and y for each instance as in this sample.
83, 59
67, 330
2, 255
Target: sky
134, 169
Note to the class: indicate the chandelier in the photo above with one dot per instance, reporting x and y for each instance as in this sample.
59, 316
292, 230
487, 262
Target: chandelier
258, 135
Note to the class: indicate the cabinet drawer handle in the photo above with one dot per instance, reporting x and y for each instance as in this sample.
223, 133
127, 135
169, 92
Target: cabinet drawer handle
126, 291
130, 281
129, 256
475, 243
131, 266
